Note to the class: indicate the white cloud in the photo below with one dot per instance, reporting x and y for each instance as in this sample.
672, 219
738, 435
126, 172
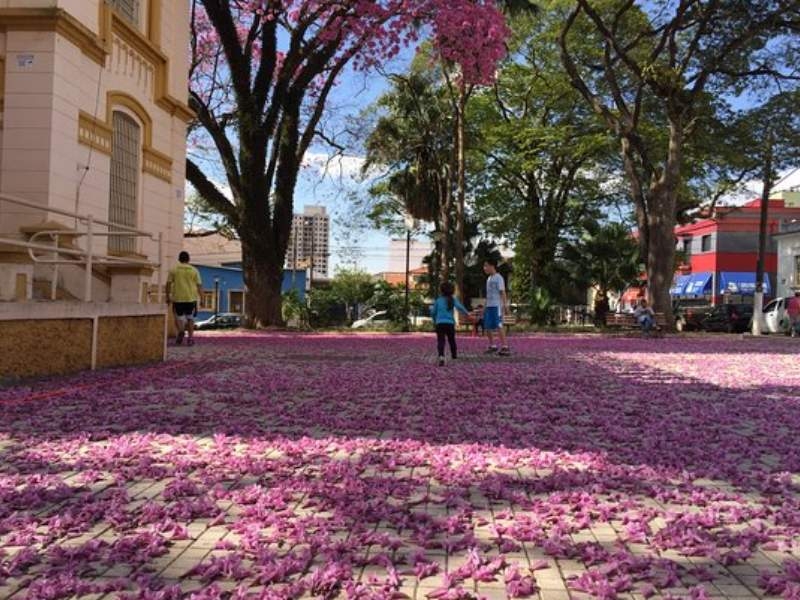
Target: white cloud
222, 187
750, 190
334, 166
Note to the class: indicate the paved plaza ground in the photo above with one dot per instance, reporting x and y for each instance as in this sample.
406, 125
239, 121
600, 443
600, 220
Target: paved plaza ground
287, 466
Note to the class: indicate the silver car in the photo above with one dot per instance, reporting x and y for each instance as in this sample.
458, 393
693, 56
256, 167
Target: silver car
376, 320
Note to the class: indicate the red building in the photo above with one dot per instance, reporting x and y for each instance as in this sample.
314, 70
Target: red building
721, 252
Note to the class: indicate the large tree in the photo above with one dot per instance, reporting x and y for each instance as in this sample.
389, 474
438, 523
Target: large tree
670, 58
262, 72
542, 161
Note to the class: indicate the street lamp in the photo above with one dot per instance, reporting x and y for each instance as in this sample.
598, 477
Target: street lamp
411, 224
216, 296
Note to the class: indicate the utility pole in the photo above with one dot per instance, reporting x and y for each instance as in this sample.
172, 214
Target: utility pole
766, 192
216, 296
294, 256
311, 280
408, 265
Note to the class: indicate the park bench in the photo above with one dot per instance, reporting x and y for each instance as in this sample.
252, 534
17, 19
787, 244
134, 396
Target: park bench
509, 320
628, 321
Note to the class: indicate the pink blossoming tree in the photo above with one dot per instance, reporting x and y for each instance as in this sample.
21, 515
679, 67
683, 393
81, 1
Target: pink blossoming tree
262, 71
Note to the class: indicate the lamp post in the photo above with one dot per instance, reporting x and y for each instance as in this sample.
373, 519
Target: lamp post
216, 296
410, 226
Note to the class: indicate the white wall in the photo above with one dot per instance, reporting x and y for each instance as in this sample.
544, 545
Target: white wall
788, 249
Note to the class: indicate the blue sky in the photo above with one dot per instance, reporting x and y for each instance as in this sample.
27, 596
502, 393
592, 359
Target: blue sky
332, 184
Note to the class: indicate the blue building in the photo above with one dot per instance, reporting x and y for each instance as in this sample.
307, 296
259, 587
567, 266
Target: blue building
227, 283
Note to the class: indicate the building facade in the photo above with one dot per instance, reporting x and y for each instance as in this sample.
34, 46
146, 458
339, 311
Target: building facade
214, 250
788, 245
224, 290
309, 242
720, 252
416, 278
92, 151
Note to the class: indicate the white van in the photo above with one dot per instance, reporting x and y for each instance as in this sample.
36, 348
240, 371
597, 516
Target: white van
774, 317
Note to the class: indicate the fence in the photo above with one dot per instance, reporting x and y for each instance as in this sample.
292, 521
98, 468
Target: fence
44, 247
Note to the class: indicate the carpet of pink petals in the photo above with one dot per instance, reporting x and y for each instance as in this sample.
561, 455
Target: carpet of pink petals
279, 466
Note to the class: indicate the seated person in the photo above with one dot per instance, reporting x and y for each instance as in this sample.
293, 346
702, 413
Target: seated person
645, 316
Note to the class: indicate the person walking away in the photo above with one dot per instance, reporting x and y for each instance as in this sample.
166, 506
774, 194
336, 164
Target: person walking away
645, 316
496, 305
443, 314
184, 288
601, 308
793, 310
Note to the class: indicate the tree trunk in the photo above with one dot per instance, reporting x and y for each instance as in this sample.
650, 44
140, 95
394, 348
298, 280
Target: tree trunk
461, 185
446, 233
263, 275
661, 207
639, 200
541, 260
436, 262
264, 239
661, 257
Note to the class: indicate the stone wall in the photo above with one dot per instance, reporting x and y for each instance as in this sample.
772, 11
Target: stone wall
40, 339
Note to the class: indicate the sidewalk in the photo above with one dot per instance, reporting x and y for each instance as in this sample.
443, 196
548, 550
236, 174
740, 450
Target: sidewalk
281, 466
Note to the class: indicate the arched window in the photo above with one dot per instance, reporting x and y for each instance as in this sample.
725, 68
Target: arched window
127, 9
124, 187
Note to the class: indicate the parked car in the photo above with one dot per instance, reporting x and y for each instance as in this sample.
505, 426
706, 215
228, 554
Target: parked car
689, 314
378, 319
220, 321
774, 318
731, 318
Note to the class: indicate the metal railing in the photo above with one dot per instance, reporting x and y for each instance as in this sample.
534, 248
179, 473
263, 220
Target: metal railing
85, 227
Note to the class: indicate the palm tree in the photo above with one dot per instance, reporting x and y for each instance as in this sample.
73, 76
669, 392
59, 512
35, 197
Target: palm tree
413, 143
605, 256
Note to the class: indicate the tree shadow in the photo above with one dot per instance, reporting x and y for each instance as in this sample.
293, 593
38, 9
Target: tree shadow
365, 455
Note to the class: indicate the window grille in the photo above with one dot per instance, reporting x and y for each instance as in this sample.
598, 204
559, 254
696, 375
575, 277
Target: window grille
127, 9
124, 180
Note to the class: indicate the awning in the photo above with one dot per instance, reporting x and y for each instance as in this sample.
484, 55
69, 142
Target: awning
632, 294
679, 285
699, 284
742, 283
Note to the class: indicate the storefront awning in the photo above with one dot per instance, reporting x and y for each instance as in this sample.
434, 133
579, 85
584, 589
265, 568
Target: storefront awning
699, 284
742, 283
632, 294
679, 285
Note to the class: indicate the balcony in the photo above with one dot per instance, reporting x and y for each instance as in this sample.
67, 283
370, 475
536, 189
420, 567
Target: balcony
789, 226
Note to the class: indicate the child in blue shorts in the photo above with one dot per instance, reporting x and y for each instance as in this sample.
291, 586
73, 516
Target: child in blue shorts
496, 302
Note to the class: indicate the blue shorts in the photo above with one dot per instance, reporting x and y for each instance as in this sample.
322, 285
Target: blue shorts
492, 318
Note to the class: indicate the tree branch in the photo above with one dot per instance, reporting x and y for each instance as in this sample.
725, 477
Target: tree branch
219, 13
220, 138
211, 193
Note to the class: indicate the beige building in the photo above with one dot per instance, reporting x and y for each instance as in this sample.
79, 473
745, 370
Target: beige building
309, 242
93, 121
214, 250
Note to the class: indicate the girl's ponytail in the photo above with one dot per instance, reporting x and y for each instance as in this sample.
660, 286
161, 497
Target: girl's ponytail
447, 291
